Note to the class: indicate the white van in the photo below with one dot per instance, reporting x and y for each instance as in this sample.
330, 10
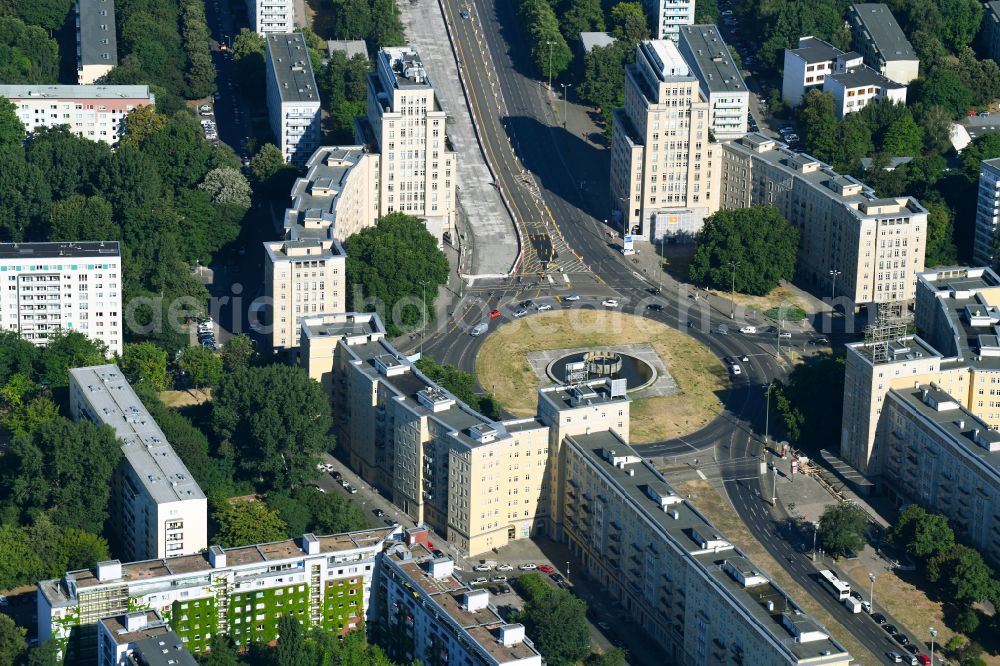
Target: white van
748, 329
479, 329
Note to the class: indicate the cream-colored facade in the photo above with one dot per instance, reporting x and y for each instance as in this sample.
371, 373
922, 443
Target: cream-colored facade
664, 165
876, 244
956, 350
302, 277
339, 192
406, 125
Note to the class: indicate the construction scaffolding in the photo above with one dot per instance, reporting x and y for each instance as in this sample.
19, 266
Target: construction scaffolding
890, 326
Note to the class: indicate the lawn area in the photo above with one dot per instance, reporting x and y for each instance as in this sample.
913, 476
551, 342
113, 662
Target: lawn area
181, 399
718, 510
786, 313
781, 295
502, 365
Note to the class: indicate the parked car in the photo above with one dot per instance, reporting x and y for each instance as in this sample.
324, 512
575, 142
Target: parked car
337, 475
543, 307
546, 568
378, 513
784, 334
557, 577
482, 567
571, 298
527, 566
479, 581
894, 657
879, 618
901, 639
655, 307
390, 522
505, 567
498, 579
520, 312
610, 303
890, 628
494, 314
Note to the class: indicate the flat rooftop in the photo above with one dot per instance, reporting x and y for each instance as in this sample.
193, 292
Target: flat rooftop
190, 565
885, 32
664, 59
349, 325
322, 246
97, 40
579, 395
116, 627
709, 57
447, 594
686, 530
314, 196
864, 76
165, 650
402, 68
81, 249
289, 60
155, 463
591, 40
28, 91
814, 50
958, 424
968, 299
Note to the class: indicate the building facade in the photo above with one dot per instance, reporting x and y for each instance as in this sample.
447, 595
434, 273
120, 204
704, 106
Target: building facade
422, 612
93, 112
293, 105
940, 455
51, 287
241, 592
664, 165
406, 125
855, 88
302, 276
720, 80
987, 212
701, 598
989, 34
140, 638
157, 508
669, 16
807, 66
96, 40
955, 350
876, 244
339, 192
876, 35
271, 16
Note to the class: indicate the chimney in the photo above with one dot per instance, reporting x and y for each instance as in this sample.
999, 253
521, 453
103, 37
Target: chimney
217, 557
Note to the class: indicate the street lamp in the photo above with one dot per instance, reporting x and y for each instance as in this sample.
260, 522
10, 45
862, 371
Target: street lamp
732, 292
565, 87
815, 532
871, 596
423, 311
567, 572
833, 283
767, 415
550, 63
933, 636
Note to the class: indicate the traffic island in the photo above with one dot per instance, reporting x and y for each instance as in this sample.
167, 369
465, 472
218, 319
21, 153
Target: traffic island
505, 367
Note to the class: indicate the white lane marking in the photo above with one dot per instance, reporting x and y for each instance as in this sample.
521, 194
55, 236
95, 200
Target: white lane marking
702, 475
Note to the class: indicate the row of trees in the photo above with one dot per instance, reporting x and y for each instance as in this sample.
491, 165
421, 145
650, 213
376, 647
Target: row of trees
811, 402
550, 53
27, 55
199, 75
343, 90
375, 21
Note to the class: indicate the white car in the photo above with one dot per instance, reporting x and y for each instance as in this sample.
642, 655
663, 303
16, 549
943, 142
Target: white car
543, 307
572, 297
479, 581
735, 369
527, 567
505, 567
520, 312
482, 567
784, 334
498, 579
610, 303
748, 329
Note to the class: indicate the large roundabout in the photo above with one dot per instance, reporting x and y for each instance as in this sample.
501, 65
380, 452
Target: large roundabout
676, 383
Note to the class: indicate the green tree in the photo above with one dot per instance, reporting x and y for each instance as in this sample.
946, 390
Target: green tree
276, 421
44, 654
27, 55
238, 352
904, 137
352, 19
970, 580
811, 402
580, 16
943, 87
243, 522
842, 528
931, 535
386, 266
629, 23
222, 653
65, 350
936, 121
557, 623
146, 362
202, 366
610, 657
549, 51
758, 240
140, 123
940, 250
387, 28
17, 356
48, 14
461, 384
903, 531
967, 620
603, 82
961, 22
79, 549
11, 127
291, 650
11, 640
79, 217
982, 148
227, 186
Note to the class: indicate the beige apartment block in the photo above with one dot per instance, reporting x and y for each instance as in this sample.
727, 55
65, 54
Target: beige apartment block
664, 166
955, 350
302, 277
406, 125
339, 192
875, 244
876, 35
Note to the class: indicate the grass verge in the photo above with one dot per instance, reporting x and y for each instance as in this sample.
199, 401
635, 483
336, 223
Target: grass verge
181, 399
502, 366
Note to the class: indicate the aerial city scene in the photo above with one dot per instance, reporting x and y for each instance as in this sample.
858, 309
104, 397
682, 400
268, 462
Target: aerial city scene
499, 332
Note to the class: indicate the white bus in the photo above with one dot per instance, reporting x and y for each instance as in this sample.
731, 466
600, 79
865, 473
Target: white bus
837, 587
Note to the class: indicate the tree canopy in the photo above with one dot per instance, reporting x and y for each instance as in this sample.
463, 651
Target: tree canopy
555, 620
391, 267
243, 522
306, 509
27, 55
462, 384
550, 53
758, 240
842, 529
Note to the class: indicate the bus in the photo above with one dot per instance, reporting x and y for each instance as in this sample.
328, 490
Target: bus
837, 587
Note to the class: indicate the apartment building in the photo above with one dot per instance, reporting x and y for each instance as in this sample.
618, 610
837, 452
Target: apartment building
942, 456
701, 598
855, 88
719, 79
664, 165
96, 40
876, 244
93, 112
987, 212
669, 16
140, 638
48, 287
157, 508
989, 35
406, 125
303, 275
239, 592
271, 16
422, 612
955, 350
293, 106
339, 192
879, 39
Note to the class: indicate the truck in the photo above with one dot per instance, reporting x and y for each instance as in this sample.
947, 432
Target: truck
852, 604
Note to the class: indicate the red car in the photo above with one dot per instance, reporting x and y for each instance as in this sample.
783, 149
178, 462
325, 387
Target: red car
546, 568
923, 659
494, 314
